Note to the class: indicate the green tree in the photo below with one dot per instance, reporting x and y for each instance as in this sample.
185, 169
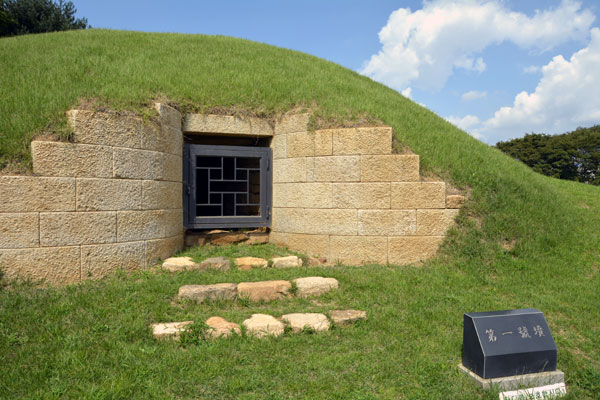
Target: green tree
18, 17
573, 156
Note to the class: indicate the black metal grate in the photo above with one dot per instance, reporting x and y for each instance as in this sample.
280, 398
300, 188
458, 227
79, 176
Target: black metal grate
227, 186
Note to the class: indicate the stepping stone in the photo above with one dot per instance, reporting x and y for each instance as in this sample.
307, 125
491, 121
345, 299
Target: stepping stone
286, 262
301, 321
201, 293
347, 317
169, 329
219, 327
175, 264
314, 286
257, 238
265, 290
218, 263
251, 262
261, 325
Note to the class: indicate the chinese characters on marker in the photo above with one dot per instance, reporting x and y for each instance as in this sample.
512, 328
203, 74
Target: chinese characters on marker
491, 336
538, 331
523, 331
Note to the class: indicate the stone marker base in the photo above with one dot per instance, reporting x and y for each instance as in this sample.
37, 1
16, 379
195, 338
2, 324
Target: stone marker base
516, 381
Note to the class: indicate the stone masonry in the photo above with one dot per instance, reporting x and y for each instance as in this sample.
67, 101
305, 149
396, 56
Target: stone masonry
112, 199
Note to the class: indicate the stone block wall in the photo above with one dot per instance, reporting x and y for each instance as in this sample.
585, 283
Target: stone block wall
112, 199
341, 193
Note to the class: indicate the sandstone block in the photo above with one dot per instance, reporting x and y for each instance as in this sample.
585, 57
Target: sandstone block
140, 225
219, 327
371, 140
279, 146
412, 249
308, 144
226, 125
302, 195
288, 219
173, 170
409, 195
387, 222
19, 230
70, 228
161, 249
158, 195
201, 293
252, 262
286, 262
262, 325
218, 263
330, 221
290, 123
110, 129
292, 169
162, 138
257, 238
100, 260
301, 321
455, 201
50, 265
67, 159
314, 286
138, 164
435, 222
108, 194
176, 264
389, 168
34, 194
168, 115
361, 195
347, 317
336, 169
316, 262
173, 221
266, 290
317, 245
170, 329
228, 238
357, 250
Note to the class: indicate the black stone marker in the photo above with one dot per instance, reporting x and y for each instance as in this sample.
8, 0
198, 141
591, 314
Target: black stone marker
507, 343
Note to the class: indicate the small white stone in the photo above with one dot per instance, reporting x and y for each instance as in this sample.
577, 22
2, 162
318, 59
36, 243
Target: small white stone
261, 325
175, 264
300, 321
286, 262
314, 286
169, 329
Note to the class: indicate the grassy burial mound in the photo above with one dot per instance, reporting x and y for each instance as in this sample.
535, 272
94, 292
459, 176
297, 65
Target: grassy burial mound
522, 240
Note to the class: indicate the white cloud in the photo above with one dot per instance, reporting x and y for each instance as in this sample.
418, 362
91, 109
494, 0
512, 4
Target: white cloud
468, 123
406, 92
532, 69
473, 95
422, 48
566, 97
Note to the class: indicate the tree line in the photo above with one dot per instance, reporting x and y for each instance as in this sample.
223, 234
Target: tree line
574, 156
19, 17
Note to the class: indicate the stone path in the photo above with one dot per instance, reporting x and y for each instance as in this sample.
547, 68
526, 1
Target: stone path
264, 325
176, 264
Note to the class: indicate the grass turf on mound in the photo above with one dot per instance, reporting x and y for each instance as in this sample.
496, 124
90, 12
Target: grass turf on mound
523, 240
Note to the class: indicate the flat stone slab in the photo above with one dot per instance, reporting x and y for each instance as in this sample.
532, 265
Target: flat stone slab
251, 262
201, 293
220, 327
314, 286
265, 290
175, 264
347, 317
286, 262
221, 239
517, 381
169, 329
301, 321
261, 325
218, 263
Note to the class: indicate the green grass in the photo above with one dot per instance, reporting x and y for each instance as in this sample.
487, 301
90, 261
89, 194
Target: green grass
523, 240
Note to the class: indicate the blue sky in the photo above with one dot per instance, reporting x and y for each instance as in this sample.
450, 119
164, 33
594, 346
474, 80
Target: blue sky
496, 68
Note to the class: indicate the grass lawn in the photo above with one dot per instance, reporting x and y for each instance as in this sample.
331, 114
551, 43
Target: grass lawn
522, 240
